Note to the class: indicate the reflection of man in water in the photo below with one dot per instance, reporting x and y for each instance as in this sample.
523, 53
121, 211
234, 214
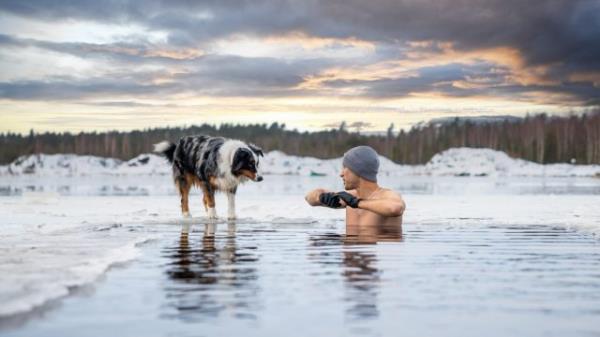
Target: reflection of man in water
362, 278
357, 264
369, 207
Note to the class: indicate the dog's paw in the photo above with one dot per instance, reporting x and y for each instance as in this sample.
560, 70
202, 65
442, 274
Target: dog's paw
212, 213
186, 215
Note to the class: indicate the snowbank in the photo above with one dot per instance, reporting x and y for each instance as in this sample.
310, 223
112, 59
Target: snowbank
487, 162
452, 162
74, 165
277, 162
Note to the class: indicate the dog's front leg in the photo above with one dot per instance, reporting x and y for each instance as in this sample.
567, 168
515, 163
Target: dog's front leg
184, 192
209, 201
231, 205
210, 207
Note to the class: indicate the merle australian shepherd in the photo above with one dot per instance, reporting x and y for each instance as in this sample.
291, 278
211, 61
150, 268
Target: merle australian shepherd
213, 164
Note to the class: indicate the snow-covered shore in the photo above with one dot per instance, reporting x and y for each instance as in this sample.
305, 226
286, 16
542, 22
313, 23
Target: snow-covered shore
487, 162
452, 162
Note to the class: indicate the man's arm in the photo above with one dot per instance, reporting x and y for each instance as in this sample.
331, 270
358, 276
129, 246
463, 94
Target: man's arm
312, 197
321, 197
389, 204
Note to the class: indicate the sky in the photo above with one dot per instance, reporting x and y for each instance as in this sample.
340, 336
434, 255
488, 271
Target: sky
122, 65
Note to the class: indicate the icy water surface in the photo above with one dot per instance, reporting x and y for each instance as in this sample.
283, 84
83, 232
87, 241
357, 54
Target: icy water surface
162, 185
266, 280
474, 257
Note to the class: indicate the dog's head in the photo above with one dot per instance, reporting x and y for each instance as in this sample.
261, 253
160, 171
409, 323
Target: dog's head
246, 162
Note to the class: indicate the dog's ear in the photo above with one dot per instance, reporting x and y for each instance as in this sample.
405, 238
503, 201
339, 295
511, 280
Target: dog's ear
238, 161
256, 149
237, 166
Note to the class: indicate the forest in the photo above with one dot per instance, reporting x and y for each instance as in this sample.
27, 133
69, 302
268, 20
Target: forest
539, 138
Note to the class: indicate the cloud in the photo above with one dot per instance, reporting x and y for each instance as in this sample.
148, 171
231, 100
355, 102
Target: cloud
123, 51
541, 52
76, 89
545, 32
211, 76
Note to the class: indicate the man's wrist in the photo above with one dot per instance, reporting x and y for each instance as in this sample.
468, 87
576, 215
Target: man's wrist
349, 199
329, 199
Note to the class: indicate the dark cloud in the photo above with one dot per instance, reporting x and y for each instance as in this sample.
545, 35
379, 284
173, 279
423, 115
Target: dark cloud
221, 75
428, 79
76, 89
131, 52
477, 80
214, 75
544, 31
561, 34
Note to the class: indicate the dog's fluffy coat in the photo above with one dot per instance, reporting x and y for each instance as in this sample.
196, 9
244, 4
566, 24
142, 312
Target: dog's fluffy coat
213, 164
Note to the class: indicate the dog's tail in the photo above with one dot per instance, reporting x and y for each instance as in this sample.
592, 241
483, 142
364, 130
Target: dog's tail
165, 148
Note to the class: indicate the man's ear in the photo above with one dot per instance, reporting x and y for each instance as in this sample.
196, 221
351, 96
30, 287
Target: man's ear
256, 149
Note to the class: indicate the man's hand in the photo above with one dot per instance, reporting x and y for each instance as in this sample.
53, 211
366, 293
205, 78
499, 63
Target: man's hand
312, 197
330, 199
348, 198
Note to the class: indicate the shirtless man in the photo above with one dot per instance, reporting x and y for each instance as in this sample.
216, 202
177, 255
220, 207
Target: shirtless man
370, 209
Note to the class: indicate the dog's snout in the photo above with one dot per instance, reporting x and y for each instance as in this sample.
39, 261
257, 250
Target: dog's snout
259, 178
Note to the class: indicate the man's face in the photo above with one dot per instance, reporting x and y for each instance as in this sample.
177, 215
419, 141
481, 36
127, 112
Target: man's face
350, 179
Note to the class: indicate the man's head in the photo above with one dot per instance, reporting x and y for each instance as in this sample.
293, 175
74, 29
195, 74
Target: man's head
359, 162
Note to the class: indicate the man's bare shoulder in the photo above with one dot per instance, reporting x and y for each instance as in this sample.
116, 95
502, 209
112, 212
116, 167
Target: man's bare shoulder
390, 194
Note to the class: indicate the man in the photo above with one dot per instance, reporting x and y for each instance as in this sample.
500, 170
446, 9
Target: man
370, 208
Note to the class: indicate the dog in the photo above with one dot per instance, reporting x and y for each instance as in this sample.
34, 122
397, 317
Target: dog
212, 164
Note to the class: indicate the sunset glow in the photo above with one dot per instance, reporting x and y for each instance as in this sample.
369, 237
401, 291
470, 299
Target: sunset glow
311, 66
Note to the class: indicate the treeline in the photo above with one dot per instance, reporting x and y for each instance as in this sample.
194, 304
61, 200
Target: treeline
542, 139
537, 138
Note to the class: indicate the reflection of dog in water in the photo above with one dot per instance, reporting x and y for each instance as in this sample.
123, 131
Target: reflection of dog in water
199, 269
213, 164
200, 264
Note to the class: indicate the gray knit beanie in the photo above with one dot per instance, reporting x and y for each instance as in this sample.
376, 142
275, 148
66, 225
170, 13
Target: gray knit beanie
363, 161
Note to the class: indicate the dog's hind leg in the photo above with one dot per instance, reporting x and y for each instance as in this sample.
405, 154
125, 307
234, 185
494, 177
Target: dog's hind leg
231, 204
184, 192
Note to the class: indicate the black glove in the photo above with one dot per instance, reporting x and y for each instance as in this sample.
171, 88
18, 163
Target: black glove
349, 199
330, 199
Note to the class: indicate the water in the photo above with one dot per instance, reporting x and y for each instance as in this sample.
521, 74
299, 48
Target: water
162, 185
232, 279
516, 262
